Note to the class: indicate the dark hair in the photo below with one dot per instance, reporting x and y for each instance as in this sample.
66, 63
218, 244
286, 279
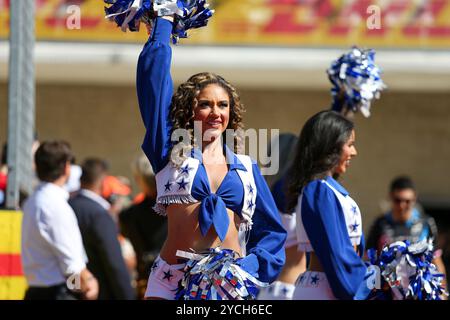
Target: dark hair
51, 158
92, 170
318, 150
287, 143
286, 154
402, 183
4, 157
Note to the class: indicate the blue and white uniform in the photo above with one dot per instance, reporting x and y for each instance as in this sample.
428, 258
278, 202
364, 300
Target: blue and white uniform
329, 224
280, 290
243, 190
288, 219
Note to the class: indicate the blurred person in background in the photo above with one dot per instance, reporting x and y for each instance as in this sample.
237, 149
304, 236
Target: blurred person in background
35, 145
51, 244
23, 194
329, 224
73, 183
117, 190
283, 288
405, 221
3, 176
100, 234
146, 230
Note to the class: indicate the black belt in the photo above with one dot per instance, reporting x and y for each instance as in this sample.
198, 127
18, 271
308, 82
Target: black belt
56, 292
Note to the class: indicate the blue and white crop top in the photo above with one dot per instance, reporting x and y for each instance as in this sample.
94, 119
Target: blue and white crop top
329, 223
243, 190
183, 184
350, 211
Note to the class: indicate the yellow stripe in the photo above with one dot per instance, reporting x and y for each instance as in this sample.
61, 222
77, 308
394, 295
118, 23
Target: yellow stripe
10, 229
12, 288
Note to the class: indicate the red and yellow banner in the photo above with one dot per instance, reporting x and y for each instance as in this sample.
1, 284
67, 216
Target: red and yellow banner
313, 23
12, 280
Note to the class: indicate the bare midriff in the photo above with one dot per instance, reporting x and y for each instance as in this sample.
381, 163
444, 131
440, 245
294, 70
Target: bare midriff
295, 265
314, 263
184, 233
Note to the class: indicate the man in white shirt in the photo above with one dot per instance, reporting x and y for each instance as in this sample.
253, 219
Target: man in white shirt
53, 257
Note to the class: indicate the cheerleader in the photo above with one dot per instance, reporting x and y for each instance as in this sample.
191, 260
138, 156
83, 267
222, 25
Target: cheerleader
210, 194
328, 219
296, 260
356, 82
283, 288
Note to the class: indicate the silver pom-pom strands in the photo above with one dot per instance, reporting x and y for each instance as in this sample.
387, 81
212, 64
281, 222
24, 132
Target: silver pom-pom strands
188, 14
356, 81
408, 271
216, 275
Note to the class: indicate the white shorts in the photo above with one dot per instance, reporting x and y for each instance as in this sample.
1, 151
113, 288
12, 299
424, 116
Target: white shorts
163, 280
313, 285
277, 291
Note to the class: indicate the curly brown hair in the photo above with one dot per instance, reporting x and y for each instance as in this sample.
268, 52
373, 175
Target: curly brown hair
184, 102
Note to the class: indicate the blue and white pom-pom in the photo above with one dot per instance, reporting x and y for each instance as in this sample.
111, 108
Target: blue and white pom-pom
407, 271
188, 14
216, 275
356, 81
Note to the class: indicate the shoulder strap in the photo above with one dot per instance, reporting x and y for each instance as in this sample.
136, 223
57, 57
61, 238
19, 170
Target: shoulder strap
250, 192
249, 205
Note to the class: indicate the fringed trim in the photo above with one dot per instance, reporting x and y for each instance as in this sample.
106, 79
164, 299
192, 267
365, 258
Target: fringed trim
164, 201
160, 209
244, 235
356, 241
246, 225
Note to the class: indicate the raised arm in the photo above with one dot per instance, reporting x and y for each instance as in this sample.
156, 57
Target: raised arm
154, 90
325, 226
265, 247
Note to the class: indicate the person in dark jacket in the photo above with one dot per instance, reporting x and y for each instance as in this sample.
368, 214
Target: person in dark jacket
146, 230
100, 234
405, 221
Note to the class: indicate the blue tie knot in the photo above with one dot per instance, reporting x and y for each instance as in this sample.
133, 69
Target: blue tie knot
213, 211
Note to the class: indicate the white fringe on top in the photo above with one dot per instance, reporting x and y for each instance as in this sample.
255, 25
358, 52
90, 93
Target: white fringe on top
163, 202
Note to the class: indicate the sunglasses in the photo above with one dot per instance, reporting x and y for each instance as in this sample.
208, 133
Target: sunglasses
400, 200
